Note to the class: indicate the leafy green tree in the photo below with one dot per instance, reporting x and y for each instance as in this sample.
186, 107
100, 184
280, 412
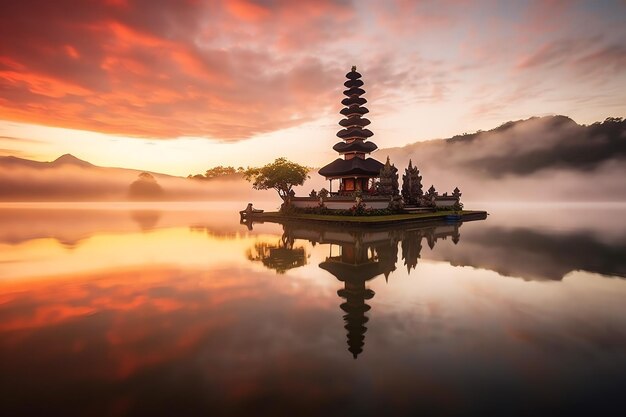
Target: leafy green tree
281, 175
217, 172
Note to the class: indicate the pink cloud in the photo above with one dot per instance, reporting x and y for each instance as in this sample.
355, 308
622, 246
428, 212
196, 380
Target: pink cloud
234, 69
134, 69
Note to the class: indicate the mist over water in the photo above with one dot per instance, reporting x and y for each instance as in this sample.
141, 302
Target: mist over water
539, 159
151, 308
75, 183
547, 159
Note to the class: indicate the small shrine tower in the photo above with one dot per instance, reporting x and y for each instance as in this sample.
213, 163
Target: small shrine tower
355, 171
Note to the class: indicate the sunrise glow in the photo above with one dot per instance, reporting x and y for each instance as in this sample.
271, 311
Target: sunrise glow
187, 85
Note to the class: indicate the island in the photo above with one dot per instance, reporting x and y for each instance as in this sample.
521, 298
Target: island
367, 190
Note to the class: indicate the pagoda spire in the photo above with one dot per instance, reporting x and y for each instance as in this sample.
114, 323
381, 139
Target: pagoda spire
355, 169
354, 123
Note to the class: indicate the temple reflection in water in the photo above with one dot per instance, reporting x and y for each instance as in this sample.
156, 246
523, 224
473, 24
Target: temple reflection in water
355, 256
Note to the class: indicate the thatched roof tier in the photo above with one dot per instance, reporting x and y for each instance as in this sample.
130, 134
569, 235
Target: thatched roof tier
353, 83
353, 100
353, 75
354, 91
355, 132
356, 146
356, 166
354, 110
354, 121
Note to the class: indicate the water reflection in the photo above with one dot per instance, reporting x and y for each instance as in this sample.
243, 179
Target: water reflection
203, 316
539, 254
356, 255
280, 257
146, 219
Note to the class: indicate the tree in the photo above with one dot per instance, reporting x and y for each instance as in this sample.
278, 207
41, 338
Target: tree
281, 175
412, 184
145, 188
388, 184
217, 172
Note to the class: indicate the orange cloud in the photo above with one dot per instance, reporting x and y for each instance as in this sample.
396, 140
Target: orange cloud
134, 69
226, 69
247, 10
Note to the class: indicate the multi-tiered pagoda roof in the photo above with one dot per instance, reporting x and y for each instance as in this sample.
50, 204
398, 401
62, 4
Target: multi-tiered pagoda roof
355, 144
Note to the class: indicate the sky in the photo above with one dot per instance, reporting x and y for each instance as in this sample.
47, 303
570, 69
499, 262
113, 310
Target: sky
181, 86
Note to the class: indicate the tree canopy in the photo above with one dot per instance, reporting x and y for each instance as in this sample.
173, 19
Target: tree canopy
217, 172
281, 175
145, 187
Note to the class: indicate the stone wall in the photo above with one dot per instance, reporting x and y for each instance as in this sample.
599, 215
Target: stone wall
335, 203
441, 201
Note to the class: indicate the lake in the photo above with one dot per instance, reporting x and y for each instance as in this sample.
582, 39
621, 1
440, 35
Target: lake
175, 309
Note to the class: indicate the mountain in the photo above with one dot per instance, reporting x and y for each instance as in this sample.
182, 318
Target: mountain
15, 162
66, 160
63, 160
534, 144
541, 158
69, 159
68, 178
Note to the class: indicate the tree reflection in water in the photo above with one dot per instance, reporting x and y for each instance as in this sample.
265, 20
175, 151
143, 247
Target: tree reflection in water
280, 256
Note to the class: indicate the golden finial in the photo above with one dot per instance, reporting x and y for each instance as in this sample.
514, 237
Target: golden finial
354, 68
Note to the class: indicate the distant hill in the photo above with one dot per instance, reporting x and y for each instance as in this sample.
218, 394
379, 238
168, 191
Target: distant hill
66, 160
539, 159
69, 159
68, 178
543, 158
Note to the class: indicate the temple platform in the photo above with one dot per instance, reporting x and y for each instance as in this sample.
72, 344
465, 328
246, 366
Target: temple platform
386, 220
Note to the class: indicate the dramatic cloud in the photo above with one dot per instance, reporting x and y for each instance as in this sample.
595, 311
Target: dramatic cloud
168, 69
236, 69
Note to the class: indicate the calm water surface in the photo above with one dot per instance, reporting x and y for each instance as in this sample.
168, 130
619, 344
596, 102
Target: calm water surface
180, 310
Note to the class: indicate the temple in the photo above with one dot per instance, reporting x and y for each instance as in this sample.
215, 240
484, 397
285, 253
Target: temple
355, 171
